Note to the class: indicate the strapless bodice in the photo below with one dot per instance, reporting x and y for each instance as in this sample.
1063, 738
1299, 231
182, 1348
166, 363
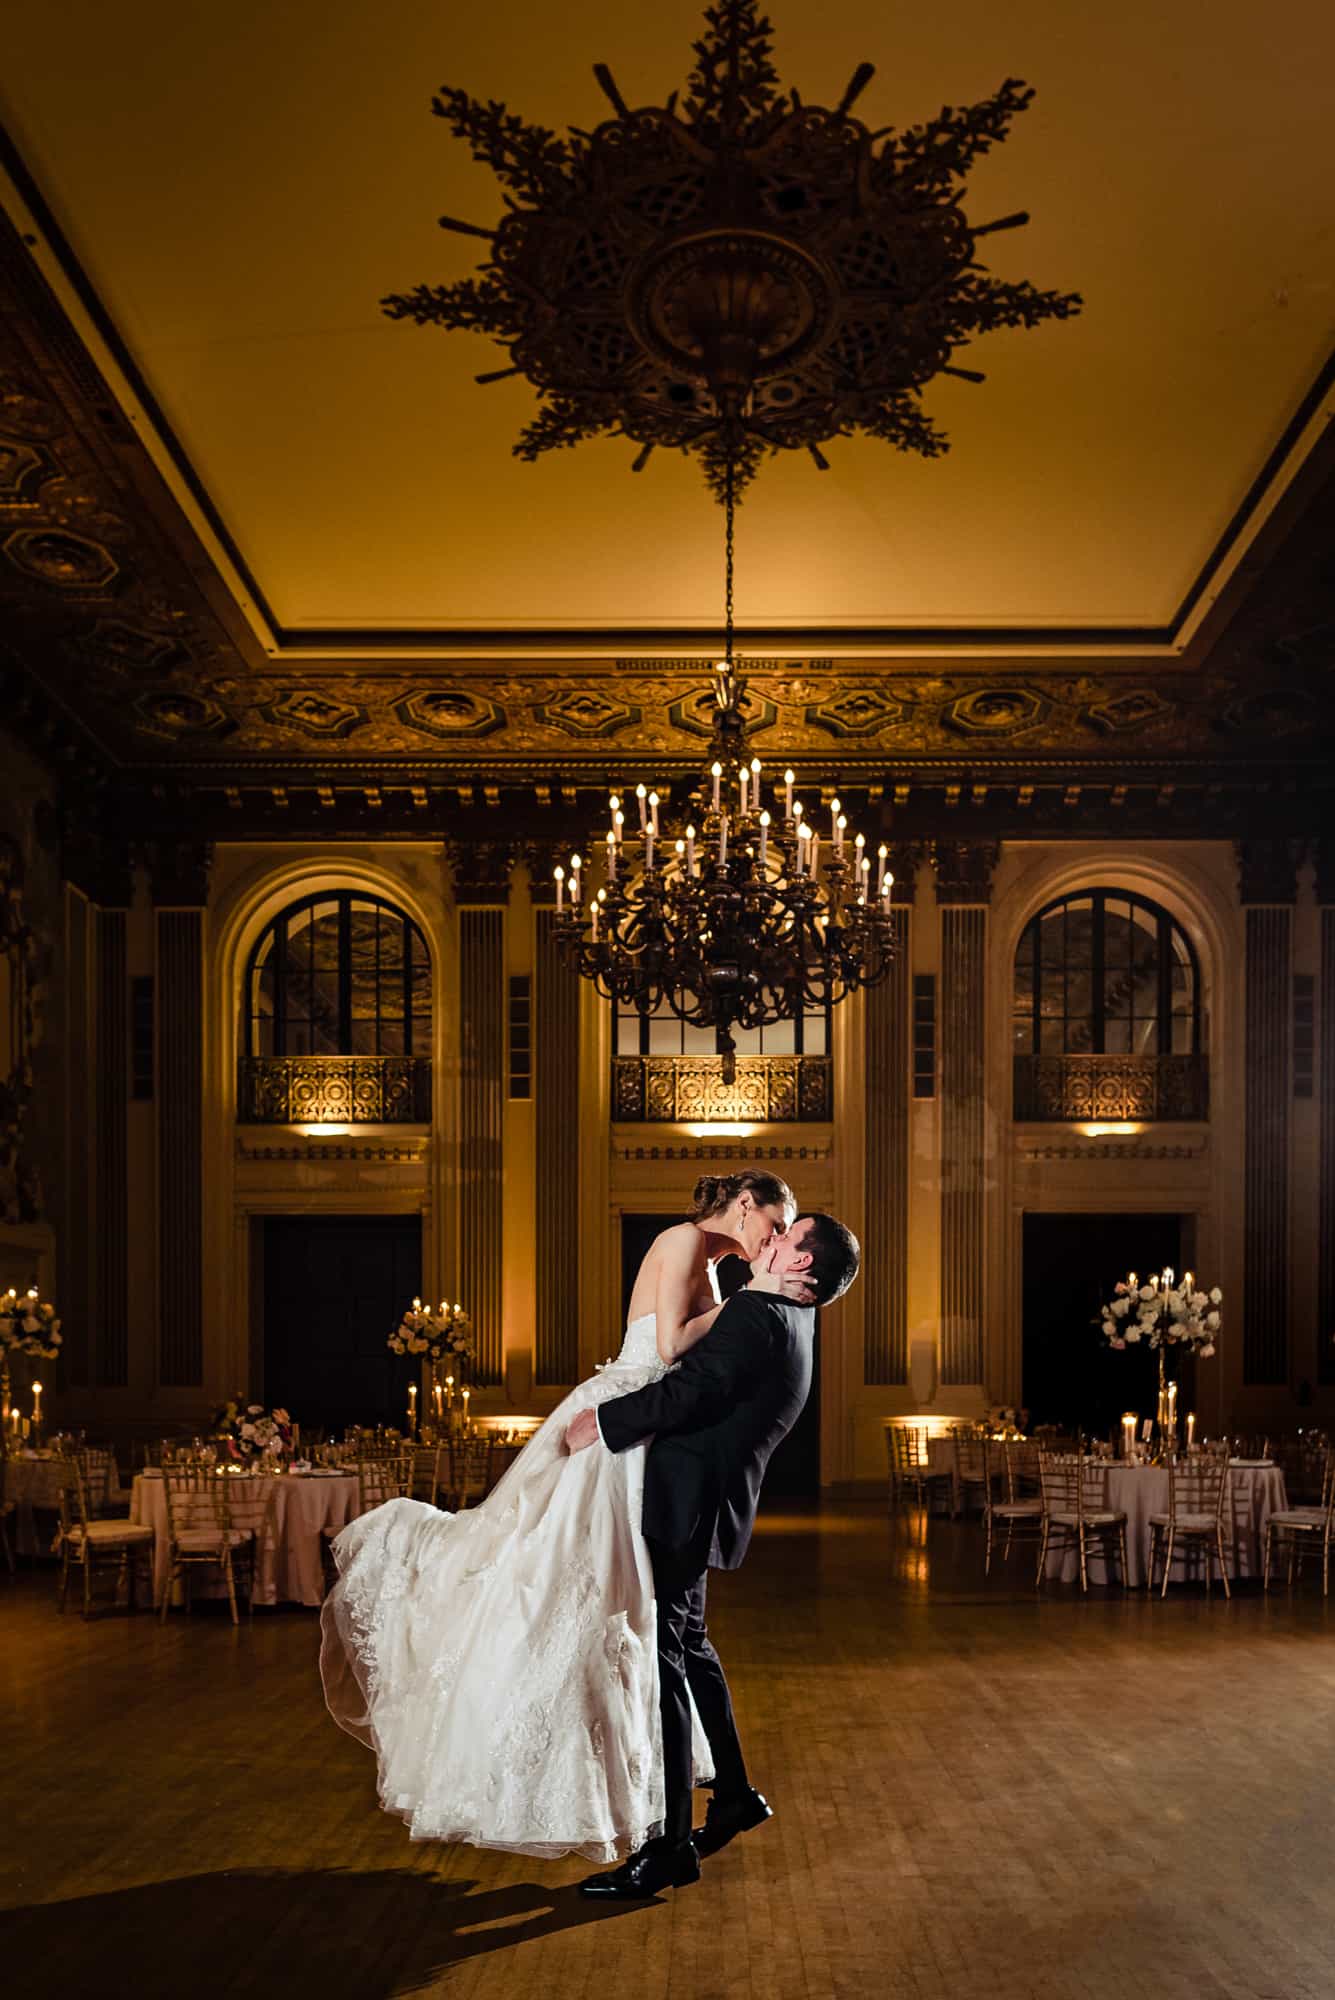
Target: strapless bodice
639, 1348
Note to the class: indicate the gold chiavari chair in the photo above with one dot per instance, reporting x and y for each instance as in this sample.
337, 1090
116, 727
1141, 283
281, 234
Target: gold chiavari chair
469, 1472
913, 1476
201, 1534
1073, 1492
1017, 1511
1197, 1495
88, 1544
970, 1472
383, 1474
430, 1471
1303, 1532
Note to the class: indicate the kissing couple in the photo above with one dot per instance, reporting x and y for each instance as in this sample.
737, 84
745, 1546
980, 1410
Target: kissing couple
534, 1674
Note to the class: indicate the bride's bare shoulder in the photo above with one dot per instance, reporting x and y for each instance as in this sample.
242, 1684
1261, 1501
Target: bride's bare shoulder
681, 1242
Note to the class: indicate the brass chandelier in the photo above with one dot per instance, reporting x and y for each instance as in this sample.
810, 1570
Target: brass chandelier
735, 915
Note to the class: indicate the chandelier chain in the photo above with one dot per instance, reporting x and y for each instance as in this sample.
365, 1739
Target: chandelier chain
729, 509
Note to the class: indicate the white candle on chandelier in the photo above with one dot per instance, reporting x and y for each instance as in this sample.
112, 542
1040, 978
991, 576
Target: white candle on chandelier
716, 772
723, 840
859, 842
649, 850
887, 884
560, 876
595, 909
882, 854
642, 793
835, 809
741, 788
681, 854
840, 829
690, 849
653, 811
621, 828
764, 839
803, 845
611, 857
755, 783
614, 808
789, 781
576, 863
814, 854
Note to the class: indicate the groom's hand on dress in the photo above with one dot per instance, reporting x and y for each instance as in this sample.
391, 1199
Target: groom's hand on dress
583, 1431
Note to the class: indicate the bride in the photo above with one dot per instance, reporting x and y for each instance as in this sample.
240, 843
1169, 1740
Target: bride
501, 1662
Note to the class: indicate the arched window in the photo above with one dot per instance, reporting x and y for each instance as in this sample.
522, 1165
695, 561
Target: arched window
339, 974
1104, 972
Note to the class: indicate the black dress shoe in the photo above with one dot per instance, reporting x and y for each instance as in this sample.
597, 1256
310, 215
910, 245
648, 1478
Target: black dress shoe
726, 1818
657, 1866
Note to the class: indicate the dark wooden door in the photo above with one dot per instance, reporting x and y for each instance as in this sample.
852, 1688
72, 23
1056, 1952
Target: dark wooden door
334, 1287
1071, 1263
794, 1470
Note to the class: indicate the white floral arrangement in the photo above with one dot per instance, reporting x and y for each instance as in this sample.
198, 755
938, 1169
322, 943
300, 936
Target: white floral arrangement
1164, 1313
28, 1326
442, 1335
250, 1432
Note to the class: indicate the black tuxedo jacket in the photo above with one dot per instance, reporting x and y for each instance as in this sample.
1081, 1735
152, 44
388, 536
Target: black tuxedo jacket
715, 1420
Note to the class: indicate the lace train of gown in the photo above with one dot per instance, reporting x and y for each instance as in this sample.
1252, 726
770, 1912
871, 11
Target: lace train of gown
502, 1662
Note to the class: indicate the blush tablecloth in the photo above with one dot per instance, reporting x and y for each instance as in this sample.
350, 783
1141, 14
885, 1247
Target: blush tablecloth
1255, 1492
306, 1508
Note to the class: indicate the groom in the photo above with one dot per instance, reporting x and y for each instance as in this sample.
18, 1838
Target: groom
714, 1419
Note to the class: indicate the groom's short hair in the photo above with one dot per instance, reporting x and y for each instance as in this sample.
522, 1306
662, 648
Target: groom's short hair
835, 1255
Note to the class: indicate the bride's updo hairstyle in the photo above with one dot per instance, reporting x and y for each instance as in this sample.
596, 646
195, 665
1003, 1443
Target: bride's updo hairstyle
716, 1192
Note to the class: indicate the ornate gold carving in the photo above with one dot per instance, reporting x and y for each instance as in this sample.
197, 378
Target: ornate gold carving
767, 1090
1115, 1089
334, 1090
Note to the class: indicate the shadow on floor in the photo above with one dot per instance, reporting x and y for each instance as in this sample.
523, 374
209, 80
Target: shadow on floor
288, 1932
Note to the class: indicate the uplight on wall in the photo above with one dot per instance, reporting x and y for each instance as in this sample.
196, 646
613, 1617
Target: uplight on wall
720, 1131
1122, 1129
324, 1131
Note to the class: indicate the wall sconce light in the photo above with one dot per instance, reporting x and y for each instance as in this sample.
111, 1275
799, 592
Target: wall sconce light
324, 1131
1119, 1129
720, 1131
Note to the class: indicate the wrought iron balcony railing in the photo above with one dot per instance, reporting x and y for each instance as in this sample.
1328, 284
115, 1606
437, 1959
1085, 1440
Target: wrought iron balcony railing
334, 1090
1116, 1089
669, 1089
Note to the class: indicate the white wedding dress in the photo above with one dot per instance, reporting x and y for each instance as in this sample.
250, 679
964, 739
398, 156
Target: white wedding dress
502, 1662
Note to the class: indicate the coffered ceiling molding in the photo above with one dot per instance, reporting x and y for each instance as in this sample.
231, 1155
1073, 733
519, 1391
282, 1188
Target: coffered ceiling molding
358, 492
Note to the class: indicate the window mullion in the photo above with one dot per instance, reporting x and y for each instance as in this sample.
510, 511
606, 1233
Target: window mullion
345, 975
280, 988
1096, 957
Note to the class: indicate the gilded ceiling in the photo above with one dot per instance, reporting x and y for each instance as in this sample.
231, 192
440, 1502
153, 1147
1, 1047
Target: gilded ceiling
1010, 607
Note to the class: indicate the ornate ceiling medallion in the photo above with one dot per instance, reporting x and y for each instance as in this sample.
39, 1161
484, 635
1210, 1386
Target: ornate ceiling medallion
742, 274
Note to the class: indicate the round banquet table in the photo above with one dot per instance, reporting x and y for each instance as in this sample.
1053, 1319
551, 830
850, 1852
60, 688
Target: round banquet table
306, 1507
31, 1480
1255, 1492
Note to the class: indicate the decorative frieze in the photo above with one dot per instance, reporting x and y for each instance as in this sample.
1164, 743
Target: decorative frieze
766, 1089
1055, 1089
334, 1090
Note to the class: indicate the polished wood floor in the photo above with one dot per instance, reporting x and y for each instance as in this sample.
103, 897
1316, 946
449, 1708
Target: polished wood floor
977, 1795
